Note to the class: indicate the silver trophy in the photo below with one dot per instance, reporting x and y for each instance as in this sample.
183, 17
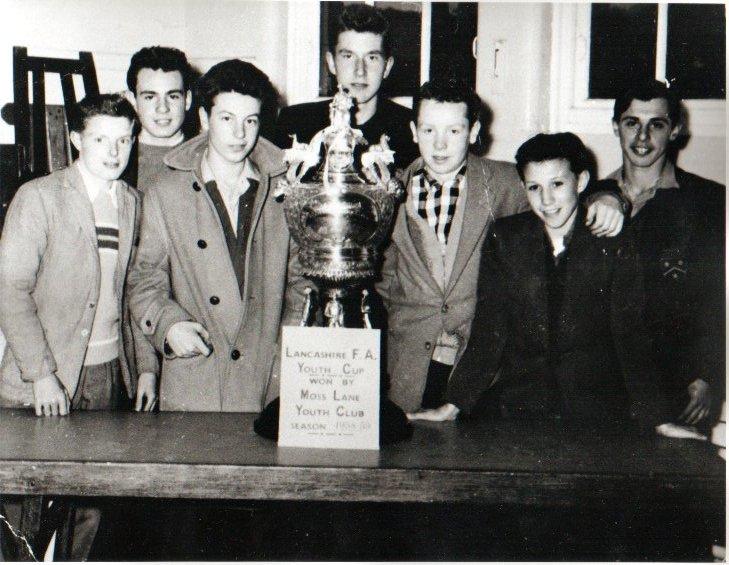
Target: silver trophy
340, 216
339, 200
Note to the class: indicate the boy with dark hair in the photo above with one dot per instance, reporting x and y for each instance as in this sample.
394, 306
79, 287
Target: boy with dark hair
558, 327
159, 81
678, 219
431, 267
208, 283
64, 256
360, 56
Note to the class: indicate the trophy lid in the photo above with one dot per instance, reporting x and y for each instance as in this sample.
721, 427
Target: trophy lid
340, 141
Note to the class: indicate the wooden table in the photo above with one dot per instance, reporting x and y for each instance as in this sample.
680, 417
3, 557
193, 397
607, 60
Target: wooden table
211, 455
218, 456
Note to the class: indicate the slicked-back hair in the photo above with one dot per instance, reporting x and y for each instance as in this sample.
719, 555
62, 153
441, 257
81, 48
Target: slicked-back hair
362, 18
157, 58
449, 90
113, 105
646, 90
238, 76
549, 146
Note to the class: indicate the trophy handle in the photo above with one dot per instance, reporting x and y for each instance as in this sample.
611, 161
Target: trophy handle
365, 309
308, 307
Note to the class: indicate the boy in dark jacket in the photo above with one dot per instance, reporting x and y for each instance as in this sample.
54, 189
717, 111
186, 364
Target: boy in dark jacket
558, 325
678, 222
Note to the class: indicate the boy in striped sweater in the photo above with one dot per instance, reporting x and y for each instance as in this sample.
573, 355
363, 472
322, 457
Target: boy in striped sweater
64, 254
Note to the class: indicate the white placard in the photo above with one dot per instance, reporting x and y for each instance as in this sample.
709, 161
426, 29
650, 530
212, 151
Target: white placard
330, 388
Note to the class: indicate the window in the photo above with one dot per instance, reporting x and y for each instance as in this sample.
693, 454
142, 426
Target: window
680, 42
597, 47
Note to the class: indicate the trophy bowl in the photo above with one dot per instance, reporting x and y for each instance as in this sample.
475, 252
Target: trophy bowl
339, 230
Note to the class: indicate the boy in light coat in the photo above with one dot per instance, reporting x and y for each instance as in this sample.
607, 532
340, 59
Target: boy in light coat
208, 283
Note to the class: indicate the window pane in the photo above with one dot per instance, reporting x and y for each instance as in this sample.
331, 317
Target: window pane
697, 49
622, 45
454, 27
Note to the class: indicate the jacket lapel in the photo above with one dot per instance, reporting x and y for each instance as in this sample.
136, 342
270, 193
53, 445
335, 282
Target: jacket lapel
127, 218
80, 203
477, 217
268, 169
412, 243
532, 260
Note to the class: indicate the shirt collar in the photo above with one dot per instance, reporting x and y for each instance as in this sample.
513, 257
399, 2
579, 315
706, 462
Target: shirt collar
430, 180
93, 186
667, 178
250, 172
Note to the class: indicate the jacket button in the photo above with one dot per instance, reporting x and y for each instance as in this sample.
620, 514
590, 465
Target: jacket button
235, 355
202, 244
196, 186
427, 346
84, 332
444, 308
214, 300
148, 324
92, 305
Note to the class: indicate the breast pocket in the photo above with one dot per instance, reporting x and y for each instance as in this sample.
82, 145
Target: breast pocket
672, 264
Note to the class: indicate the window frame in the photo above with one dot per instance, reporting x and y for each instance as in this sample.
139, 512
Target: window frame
571, 108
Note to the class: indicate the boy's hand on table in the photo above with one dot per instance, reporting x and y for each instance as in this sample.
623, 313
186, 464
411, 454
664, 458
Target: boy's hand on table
605, 216
441, 414
51, 397
681, 432
146, 392
699, 403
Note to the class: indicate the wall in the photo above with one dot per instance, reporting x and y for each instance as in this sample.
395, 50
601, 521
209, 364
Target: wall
513, 72
224, 29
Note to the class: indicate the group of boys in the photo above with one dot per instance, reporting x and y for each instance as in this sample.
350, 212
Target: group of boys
509, 289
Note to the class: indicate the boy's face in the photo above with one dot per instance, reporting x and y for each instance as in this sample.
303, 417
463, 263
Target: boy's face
161, 102
359, 64
645, 131
104, 145
232, 125
443, 135
553, 189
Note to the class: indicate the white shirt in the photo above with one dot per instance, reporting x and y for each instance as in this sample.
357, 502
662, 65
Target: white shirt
229, 193
94, 186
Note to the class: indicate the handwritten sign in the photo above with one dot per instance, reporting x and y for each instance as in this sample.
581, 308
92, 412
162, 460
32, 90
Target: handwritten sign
330, 388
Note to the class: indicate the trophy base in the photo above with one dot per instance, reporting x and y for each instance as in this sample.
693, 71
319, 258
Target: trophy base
394, 425
347, 305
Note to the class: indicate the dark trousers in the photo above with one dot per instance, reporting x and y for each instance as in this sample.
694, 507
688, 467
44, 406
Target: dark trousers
435, 384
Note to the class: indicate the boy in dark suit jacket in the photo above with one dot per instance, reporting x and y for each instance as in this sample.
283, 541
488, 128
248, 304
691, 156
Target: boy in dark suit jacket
558, 329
